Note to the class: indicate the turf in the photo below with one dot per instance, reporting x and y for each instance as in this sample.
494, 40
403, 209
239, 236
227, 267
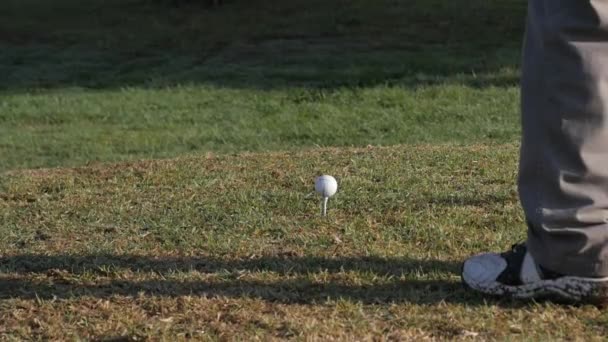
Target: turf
225, 247
249, 102
113, 80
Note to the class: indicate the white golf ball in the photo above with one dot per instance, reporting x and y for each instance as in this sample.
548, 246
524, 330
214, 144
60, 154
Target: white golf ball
326, 185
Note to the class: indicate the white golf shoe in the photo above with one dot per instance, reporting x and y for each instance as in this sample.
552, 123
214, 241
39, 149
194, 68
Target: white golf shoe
515, 274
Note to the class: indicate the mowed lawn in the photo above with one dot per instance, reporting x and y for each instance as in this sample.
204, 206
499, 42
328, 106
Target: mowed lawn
115, 80
220, 247
157, 169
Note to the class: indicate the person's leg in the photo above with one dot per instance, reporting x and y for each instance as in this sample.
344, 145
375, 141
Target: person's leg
563, 180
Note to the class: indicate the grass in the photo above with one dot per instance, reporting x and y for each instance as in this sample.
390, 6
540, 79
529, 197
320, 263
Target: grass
120, 80
249, 102
224, 247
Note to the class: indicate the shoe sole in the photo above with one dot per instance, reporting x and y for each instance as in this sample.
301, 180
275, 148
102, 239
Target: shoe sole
564, 289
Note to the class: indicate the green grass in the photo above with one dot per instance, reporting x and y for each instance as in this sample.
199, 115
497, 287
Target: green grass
118, 80
253, 100
233, 247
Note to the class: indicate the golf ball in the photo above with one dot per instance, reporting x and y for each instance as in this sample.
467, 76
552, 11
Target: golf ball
326, 185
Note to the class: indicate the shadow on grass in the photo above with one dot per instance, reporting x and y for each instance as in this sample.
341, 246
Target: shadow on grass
282, 264
258, 44
61, 273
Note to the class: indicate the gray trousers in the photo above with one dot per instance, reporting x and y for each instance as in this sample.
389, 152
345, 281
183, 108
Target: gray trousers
563, 177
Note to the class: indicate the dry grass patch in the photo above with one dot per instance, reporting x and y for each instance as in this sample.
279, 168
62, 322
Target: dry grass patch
223, 247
